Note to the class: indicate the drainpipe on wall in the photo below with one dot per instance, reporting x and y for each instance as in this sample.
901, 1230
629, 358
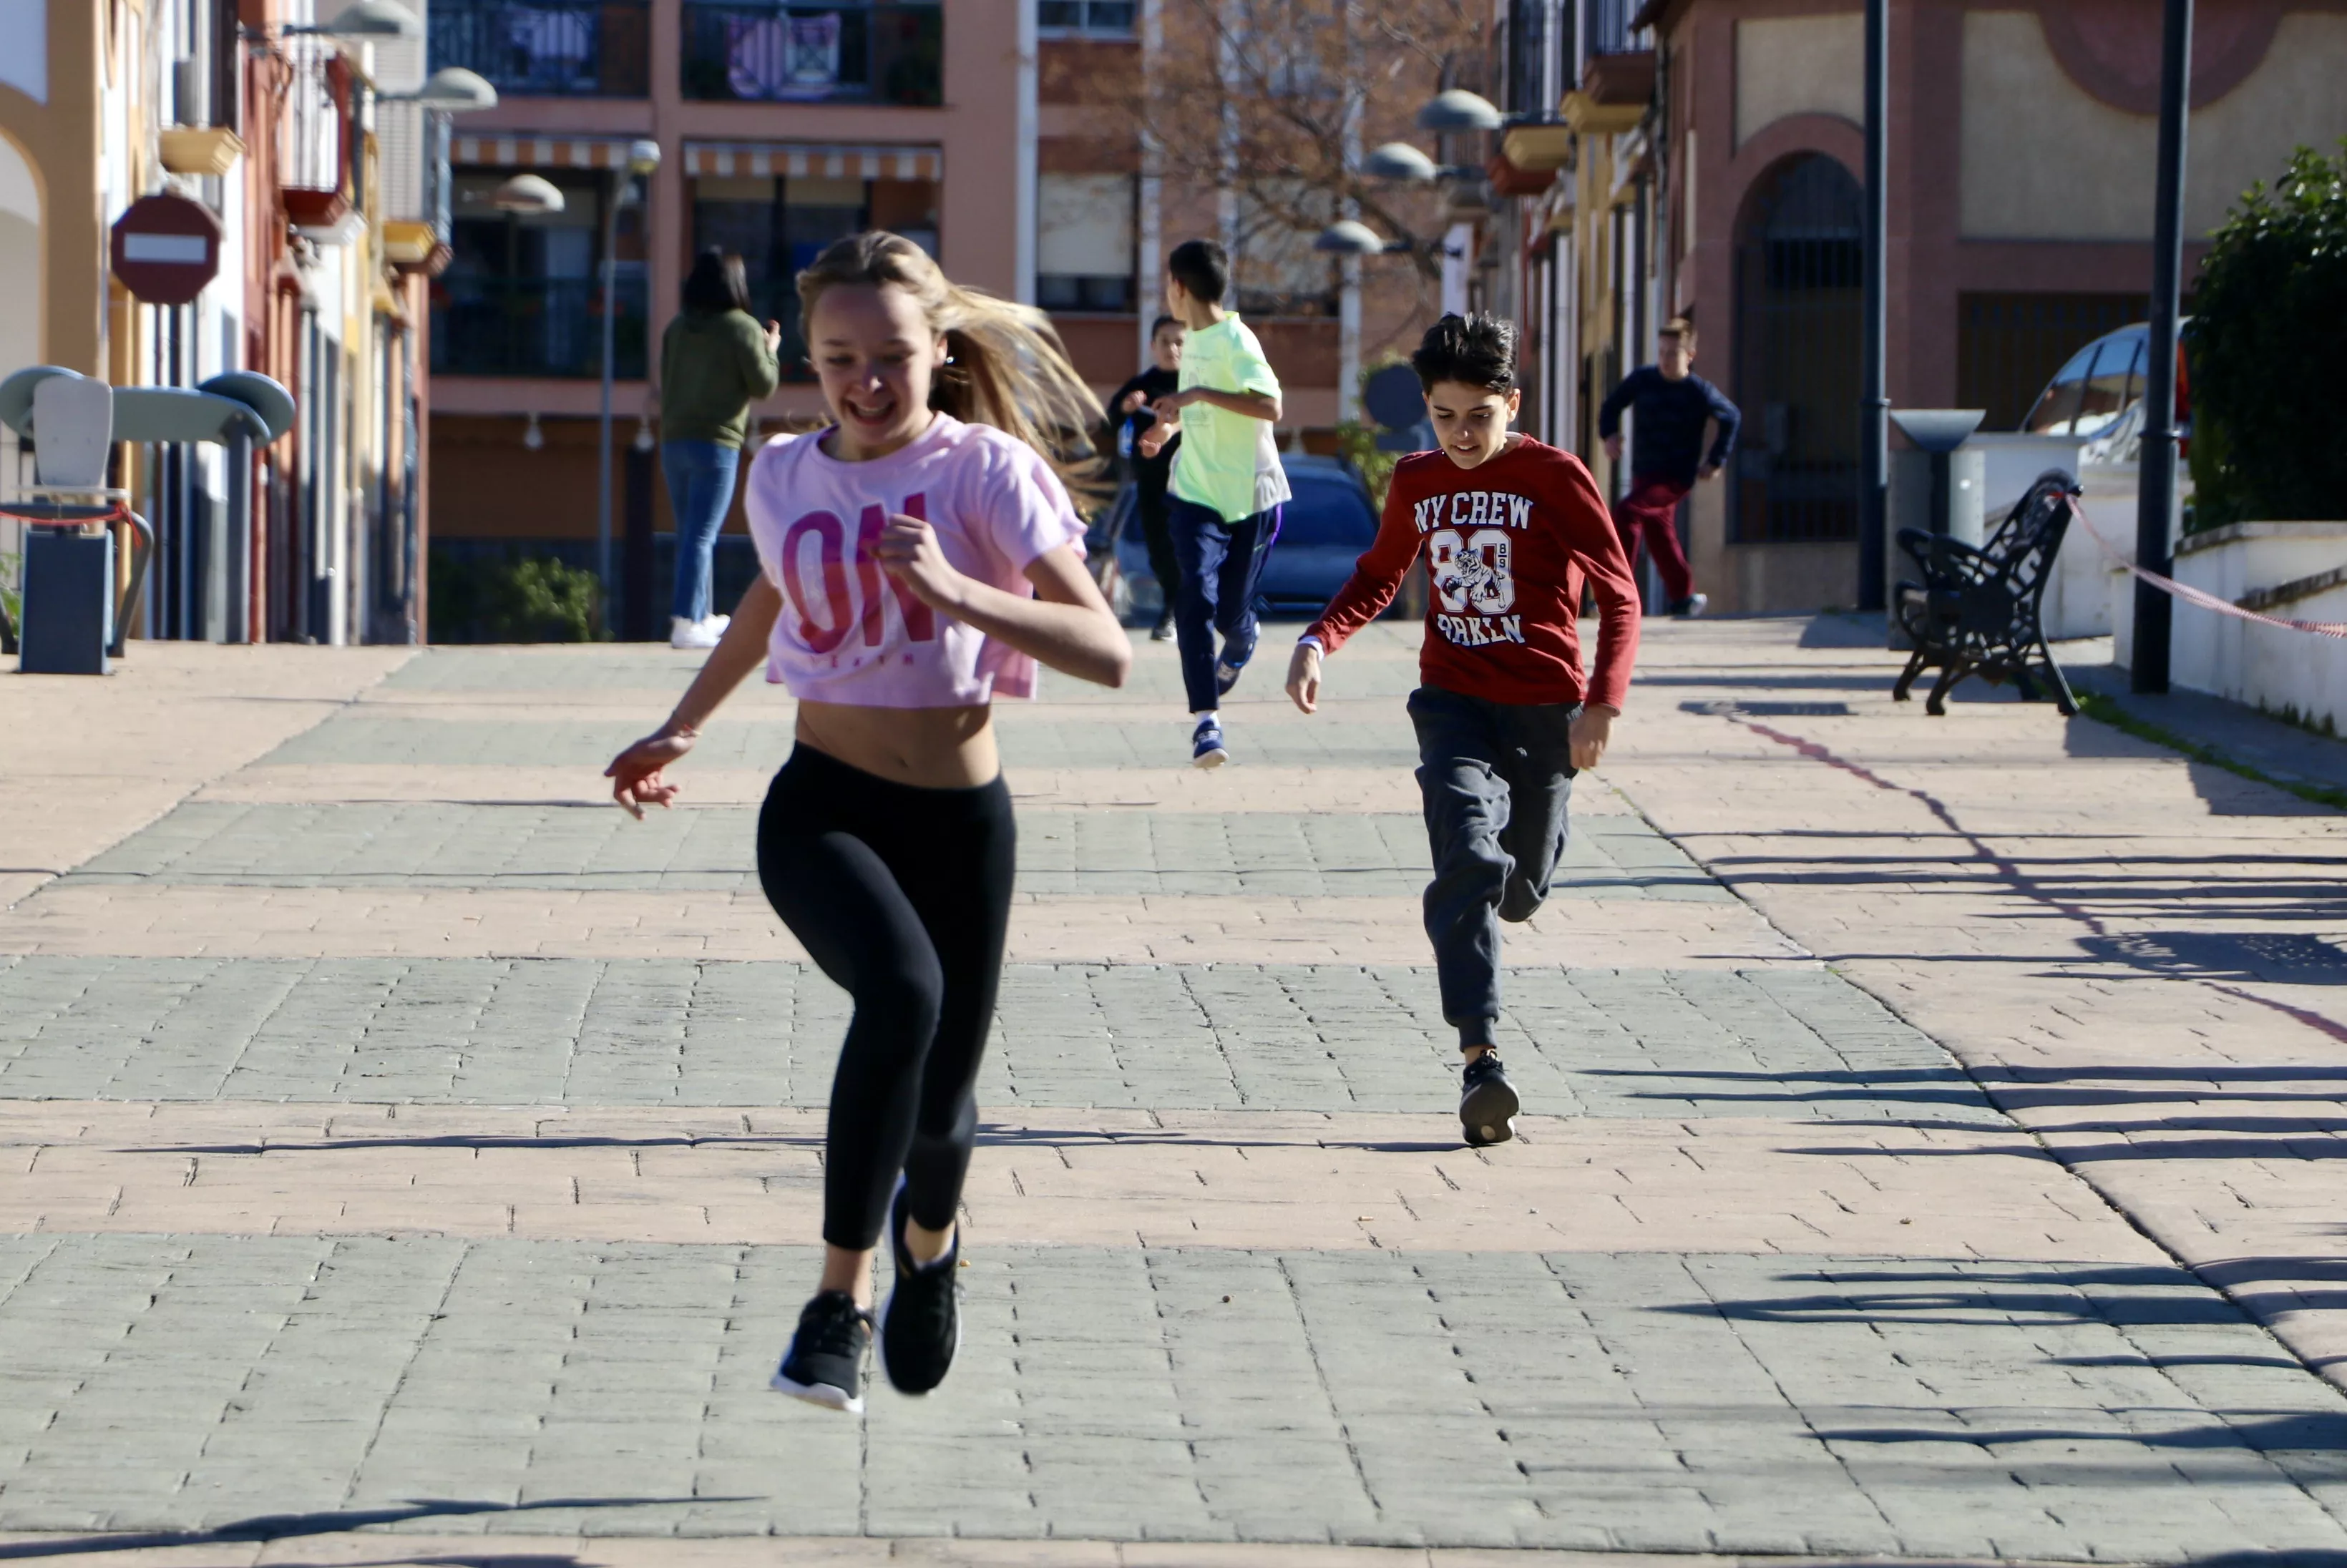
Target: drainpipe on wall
1023, 219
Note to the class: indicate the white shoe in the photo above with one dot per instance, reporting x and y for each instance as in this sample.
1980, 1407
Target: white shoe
701, 633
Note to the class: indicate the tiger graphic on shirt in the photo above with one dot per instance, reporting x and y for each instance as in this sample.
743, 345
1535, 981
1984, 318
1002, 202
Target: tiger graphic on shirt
1468, 539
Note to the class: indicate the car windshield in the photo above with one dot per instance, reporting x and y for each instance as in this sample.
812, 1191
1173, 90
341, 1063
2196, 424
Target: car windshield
2093, 387
1328, 510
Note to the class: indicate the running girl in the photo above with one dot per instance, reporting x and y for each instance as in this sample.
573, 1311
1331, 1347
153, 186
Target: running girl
919, 557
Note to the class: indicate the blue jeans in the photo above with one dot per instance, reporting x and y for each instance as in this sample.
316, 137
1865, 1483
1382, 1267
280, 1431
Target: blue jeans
699, 491
1221, 563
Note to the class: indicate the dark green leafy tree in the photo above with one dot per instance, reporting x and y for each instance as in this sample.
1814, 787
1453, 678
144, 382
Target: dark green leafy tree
2267, 335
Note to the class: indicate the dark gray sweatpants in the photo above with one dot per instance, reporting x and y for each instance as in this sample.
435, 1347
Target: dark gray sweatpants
1496, 778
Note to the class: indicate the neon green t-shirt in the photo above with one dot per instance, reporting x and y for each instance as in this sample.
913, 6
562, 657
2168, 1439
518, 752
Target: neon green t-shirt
1217, 462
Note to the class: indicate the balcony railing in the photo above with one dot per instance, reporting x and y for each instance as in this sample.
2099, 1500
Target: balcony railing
769, 53
586, 49
492, 326
313, 162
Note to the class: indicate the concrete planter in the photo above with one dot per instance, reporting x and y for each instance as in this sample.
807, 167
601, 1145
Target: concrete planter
2292, 570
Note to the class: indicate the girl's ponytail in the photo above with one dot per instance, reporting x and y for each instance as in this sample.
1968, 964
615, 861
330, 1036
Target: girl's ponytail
1007, 366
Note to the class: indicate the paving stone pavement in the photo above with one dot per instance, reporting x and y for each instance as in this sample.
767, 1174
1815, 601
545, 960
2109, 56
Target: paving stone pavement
395, 1153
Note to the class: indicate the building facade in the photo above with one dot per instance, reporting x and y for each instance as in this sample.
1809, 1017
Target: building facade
270, 127
1704, 159
779, 130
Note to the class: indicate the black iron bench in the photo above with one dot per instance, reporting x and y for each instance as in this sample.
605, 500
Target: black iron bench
1976, 610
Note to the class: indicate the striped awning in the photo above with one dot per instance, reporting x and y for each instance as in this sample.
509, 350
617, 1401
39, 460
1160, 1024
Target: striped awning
801, 160
522, 149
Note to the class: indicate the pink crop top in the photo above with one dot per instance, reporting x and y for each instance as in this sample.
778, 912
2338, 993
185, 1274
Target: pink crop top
850, 633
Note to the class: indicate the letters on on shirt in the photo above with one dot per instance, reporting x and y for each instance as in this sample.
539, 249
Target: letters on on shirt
848, 604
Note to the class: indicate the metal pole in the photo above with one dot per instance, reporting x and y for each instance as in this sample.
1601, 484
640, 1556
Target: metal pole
613, 186
2154, 517
1874, 403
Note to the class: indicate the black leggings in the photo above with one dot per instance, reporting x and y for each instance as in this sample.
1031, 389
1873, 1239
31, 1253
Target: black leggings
902, 895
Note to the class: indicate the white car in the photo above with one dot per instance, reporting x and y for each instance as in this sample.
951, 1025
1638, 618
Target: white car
2098, 395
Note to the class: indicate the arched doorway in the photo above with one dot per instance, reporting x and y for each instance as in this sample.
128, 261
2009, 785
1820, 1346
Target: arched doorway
1798, 280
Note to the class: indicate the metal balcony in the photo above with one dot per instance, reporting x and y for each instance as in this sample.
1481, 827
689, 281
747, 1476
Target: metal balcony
485, 325
592, 50
747, 51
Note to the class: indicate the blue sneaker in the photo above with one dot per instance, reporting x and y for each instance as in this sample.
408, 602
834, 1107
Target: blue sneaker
1237, 650
1207, 748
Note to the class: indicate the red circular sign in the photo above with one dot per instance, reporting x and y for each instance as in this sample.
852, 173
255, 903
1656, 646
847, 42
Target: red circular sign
165, 249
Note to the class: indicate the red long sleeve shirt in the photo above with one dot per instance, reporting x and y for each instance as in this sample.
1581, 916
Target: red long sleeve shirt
1507, 547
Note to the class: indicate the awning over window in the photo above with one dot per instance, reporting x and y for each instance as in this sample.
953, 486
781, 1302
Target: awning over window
521, 150
800, 160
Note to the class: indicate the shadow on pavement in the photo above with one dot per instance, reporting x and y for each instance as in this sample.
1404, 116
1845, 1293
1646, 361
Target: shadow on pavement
282, 1526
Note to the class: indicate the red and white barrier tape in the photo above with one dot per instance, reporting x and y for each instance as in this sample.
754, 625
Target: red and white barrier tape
2193, 596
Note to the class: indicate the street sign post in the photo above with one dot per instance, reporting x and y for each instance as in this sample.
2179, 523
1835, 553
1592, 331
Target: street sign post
165, 249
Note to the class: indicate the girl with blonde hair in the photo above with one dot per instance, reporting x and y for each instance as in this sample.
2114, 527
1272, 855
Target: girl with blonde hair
919, 557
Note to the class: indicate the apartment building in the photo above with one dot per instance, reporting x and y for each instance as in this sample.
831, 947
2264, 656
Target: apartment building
263, 115
1702, 158
779, 128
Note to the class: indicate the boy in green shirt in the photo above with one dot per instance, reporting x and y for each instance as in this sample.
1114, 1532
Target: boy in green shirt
1222, 505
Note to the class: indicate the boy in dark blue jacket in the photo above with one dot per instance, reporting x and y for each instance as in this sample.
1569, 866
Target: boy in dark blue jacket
1672, 404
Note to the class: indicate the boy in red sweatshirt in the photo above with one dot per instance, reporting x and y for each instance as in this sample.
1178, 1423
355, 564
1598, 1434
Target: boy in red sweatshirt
1511, 529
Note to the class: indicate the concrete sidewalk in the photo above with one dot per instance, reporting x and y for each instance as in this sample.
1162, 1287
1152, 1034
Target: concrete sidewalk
404, 1158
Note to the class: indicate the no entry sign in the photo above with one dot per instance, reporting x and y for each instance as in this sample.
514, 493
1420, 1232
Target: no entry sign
165, 249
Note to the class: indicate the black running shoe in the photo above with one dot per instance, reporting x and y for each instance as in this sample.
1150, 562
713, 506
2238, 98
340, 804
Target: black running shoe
920, 1326
825, 1365
1487, 1101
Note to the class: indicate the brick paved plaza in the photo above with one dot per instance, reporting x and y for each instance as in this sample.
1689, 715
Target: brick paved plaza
1932, 1150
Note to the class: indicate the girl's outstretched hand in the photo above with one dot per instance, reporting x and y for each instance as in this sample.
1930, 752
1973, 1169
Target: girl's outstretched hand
635, 773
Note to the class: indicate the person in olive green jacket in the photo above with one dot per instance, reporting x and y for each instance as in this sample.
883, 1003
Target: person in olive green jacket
715, 361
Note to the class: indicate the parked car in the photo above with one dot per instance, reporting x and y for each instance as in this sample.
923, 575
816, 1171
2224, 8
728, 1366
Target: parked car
1322, 531
2098, 395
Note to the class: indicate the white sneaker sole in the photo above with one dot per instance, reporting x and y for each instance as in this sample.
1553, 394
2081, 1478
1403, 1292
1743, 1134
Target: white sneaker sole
1213, 758
822, 1394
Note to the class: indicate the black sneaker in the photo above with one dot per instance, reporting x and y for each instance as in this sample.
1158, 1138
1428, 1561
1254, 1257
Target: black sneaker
825, 1365
920, 1326
1163, 632
1691, 607
1487, 1101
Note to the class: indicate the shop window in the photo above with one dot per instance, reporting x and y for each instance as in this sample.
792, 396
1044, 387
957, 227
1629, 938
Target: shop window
1084, 255
779, 225
523, 295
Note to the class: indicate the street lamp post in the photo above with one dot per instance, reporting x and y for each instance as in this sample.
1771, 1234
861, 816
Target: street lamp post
1874, 399
643, 158
2155, 493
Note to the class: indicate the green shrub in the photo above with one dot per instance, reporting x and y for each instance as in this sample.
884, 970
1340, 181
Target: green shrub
2269, 332
520, 598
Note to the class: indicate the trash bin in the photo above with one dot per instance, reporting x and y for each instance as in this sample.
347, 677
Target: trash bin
68, 604
1937, 485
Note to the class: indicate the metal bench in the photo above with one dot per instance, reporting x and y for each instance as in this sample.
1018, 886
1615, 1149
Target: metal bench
1976, 610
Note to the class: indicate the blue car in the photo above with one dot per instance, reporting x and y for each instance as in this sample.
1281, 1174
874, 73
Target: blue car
1322, 531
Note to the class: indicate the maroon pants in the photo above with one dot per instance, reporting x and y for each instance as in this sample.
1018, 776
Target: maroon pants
1652, 508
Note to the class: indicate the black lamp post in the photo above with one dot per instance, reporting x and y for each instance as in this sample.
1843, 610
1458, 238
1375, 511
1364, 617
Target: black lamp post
2156, 491
1874, 401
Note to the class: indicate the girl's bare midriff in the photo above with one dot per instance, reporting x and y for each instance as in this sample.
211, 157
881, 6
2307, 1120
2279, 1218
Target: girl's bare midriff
930, 747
